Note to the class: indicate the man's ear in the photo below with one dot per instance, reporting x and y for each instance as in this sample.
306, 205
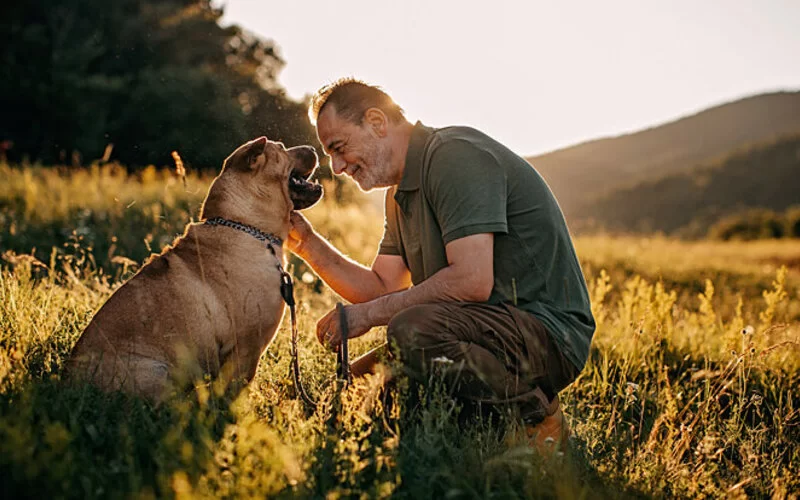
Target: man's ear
377, 121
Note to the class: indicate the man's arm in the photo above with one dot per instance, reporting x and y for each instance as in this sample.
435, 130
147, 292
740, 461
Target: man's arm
469, 277
349, 279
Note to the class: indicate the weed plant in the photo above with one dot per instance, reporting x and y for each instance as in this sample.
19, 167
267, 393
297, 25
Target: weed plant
690, 390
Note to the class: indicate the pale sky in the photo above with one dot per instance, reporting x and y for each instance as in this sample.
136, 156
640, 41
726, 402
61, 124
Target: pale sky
537, 75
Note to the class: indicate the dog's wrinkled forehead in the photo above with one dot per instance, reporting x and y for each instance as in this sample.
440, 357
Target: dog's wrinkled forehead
255, 154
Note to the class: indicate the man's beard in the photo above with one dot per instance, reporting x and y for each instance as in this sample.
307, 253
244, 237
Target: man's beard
374, 171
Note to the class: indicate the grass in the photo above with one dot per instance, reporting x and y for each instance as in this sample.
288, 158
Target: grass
676, 400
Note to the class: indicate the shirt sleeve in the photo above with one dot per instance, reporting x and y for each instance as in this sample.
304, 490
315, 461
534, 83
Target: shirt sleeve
467, 189
390, 244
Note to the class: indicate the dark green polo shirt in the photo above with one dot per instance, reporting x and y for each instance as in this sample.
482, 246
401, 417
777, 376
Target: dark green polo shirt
458, 182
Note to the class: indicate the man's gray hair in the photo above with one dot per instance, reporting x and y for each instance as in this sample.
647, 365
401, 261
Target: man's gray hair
351, 98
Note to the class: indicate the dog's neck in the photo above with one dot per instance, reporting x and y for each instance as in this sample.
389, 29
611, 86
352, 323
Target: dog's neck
273, 242
265, 213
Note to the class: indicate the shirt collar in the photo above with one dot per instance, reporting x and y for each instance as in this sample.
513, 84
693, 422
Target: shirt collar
414, 157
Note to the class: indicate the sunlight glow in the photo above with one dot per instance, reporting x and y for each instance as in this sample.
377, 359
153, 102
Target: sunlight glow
537, 75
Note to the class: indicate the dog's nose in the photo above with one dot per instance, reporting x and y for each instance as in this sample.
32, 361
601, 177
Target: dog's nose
307, 155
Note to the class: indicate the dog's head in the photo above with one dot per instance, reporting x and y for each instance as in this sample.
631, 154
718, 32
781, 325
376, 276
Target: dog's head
263, 162
262, 181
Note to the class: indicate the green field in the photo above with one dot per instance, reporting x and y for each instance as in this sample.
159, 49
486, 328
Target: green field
691, 389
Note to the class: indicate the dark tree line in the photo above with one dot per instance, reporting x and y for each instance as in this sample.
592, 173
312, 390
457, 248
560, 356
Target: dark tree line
148, 76
758, 224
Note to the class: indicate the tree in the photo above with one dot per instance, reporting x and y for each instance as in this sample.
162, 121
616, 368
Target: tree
149, 76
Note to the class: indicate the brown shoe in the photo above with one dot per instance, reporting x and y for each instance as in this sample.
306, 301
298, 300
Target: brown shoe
373, 362
551, 434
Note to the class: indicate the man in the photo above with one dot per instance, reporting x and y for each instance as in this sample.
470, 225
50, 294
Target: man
476, 268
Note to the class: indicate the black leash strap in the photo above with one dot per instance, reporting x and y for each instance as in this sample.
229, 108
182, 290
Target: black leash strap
287, 292
343, 369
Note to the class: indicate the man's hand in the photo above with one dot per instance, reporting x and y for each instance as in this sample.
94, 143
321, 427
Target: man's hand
329, 333
299, 232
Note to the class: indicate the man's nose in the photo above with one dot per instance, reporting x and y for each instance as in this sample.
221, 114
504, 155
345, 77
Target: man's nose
338, 164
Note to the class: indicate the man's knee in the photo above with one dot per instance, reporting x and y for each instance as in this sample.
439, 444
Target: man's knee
415, 327
403, 327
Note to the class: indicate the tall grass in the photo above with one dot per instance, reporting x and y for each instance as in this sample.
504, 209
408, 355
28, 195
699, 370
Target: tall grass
690, 390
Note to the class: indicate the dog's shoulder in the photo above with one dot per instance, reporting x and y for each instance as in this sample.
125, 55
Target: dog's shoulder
157, 264
195, 244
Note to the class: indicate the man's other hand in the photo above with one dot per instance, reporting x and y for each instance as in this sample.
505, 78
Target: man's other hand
329, 332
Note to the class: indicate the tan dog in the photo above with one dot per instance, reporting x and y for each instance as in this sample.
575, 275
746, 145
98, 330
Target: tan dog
210, 304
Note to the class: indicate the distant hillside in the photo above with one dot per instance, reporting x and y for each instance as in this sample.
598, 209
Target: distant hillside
581, 173
766, 175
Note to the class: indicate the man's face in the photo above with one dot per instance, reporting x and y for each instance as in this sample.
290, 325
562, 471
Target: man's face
356, 150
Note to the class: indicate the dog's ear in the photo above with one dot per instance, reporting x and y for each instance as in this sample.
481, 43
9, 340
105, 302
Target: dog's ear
246, 156
254, 149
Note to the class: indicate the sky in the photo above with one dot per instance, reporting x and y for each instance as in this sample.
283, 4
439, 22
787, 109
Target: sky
536, 75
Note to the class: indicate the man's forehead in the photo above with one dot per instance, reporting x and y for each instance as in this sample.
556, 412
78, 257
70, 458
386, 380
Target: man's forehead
330, 126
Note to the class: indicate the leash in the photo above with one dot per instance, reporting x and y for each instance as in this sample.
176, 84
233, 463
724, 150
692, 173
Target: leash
343, 368
343, 360
287, 293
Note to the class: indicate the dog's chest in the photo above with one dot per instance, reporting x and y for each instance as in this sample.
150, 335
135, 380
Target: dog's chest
253, 296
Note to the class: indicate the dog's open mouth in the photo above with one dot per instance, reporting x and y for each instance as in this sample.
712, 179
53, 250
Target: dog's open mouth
303, 192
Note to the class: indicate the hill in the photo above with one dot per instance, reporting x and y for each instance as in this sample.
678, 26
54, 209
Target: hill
580, 174
765, 175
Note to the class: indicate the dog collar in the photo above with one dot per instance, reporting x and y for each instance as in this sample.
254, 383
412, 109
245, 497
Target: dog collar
268, 238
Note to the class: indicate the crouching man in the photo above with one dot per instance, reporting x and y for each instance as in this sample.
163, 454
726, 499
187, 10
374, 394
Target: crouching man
476, 264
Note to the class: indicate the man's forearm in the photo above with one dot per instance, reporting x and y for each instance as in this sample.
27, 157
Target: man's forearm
450, 284
349, 279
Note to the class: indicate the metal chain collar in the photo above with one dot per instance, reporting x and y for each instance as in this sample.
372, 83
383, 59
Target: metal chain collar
252, 231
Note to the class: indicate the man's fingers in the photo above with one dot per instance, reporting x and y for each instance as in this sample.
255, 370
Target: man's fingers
297, 220
332, 341
319, 333
322, 331
327, 333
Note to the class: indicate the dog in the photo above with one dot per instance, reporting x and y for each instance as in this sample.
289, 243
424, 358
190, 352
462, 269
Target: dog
210, 304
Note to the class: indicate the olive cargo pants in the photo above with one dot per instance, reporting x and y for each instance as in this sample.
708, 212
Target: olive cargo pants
495, 355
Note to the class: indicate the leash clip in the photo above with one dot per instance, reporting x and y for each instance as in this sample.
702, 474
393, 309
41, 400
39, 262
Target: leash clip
287, 288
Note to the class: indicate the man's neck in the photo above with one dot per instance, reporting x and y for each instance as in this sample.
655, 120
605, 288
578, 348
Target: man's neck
400, 153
